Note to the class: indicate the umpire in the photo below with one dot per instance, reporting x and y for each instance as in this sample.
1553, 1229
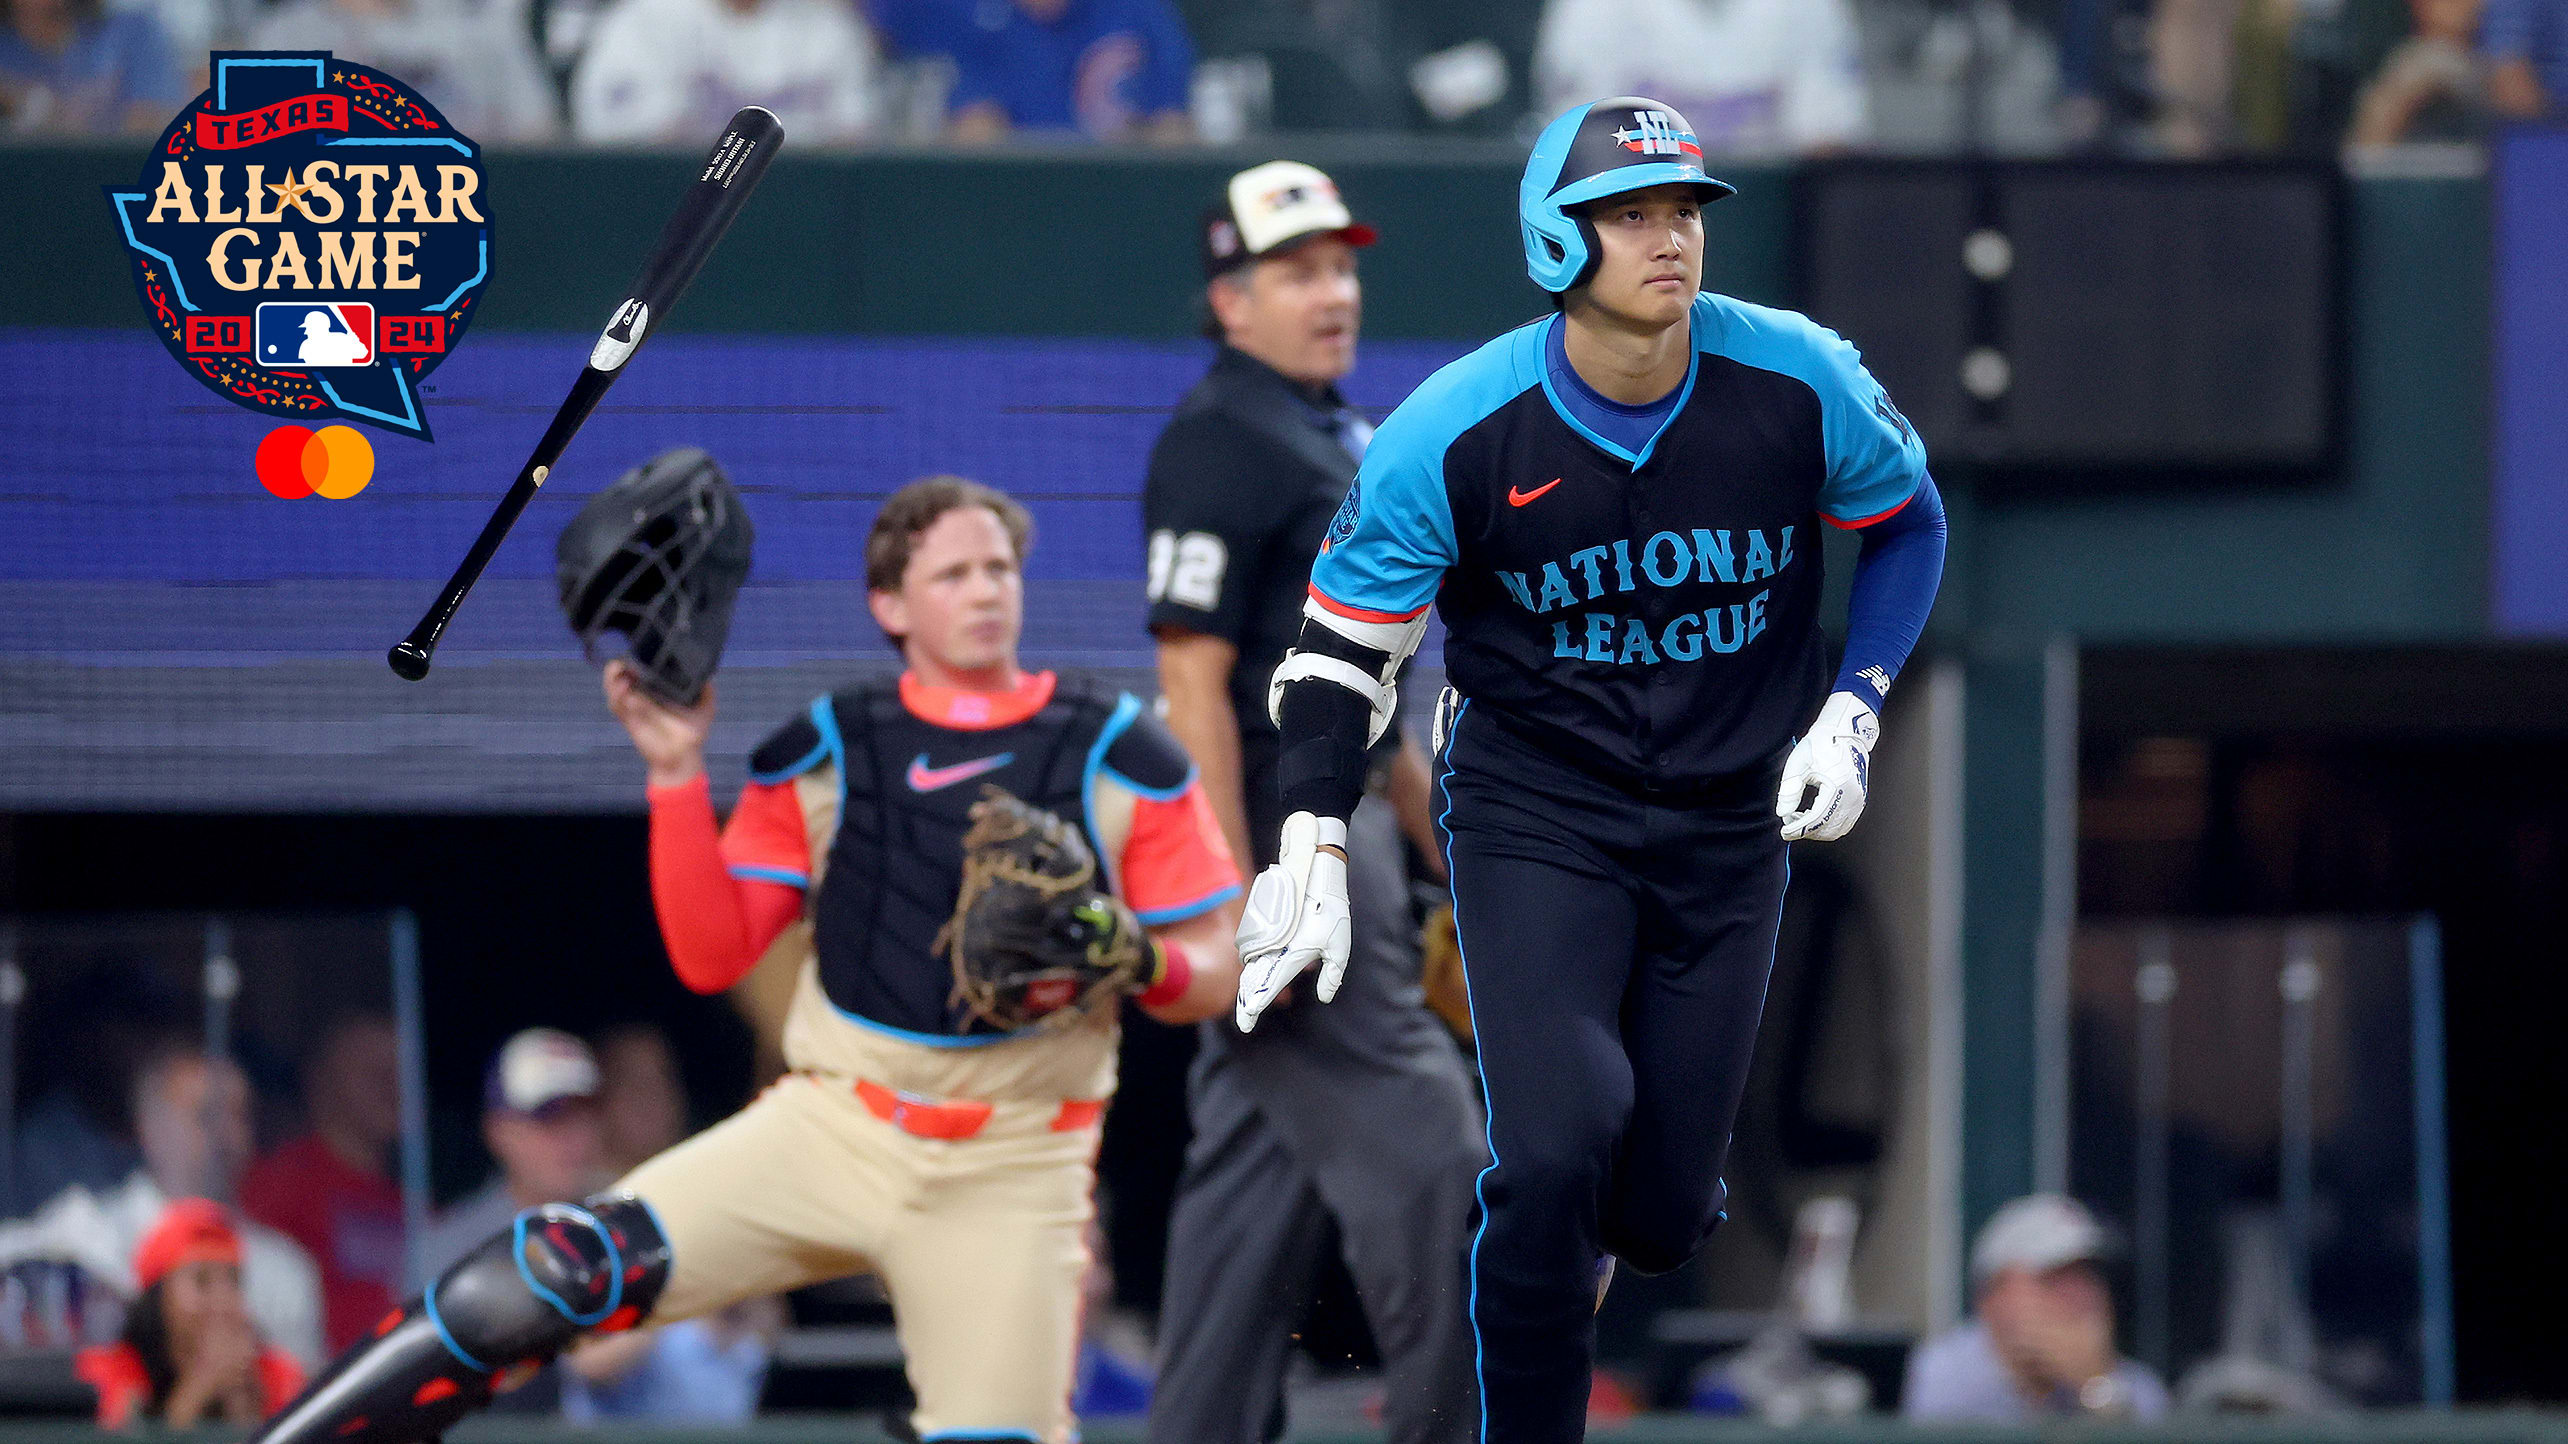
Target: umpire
1360, 1112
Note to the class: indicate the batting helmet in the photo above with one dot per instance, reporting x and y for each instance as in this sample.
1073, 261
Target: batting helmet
1592, 151
659, 556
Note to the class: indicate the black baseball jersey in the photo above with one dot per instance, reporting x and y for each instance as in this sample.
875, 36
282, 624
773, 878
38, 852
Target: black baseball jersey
1242, 485
1653, 614
884, 796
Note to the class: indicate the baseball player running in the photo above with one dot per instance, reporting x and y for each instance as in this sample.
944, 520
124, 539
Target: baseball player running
918, 1135
1613, 509
1359, 1113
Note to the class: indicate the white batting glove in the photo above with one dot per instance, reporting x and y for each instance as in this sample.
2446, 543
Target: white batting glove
1296, 916
1832, 763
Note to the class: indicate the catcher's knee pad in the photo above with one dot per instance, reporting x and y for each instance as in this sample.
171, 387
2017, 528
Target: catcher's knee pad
559, 1269
505, 1308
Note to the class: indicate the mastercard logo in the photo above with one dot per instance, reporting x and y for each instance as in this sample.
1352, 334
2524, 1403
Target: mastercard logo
335, 461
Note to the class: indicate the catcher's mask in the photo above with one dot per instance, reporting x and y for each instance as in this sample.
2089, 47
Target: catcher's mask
659, 556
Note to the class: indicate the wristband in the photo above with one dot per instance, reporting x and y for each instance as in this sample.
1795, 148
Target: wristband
1176, 974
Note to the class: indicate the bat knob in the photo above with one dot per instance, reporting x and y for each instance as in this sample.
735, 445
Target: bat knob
409, 661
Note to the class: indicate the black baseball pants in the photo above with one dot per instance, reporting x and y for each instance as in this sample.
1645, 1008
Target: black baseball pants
1616, 945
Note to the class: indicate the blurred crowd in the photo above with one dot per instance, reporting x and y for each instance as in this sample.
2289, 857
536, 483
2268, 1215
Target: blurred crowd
201, 1278
199, 1233
194, 1277
1758, 78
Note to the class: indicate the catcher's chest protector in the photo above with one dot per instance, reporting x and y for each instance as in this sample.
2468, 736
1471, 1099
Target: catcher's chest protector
896, 861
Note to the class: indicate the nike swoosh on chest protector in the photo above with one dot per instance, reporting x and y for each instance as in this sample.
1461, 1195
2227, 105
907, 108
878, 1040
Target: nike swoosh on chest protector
923, 778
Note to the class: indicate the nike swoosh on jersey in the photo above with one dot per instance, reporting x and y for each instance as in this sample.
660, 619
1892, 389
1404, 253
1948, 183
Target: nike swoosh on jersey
1520, 498
923, 778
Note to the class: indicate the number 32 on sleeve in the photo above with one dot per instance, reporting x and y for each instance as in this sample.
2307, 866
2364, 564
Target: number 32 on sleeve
1187, 568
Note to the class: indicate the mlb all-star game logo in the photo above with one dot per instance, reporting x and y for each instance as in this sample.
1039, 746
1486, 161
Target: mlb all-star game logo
310, 238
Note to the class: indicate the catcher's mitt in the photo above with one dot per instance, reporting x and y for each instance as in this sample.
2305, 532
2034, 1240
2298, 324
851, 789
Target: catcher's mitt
1440, 970
1034, 940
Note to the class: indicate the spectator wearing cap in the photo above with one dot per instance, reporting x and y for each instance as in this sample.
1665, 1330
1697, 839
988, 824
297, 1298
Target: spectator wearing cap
2526, 43
540, 1120
190, 1354
2041, 1344
1360, 1112
1103, 69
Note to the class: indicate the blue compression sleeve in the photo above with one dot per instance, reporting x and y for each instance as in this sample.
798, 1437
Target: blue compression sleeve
1896, 574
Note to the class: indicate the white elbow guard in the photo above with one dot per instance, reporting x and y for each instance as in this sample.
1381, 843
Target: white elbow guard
1394, 641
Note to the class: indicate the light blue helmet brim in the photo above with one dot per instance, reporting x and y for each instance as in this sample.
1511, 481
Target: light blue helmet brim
1640, 177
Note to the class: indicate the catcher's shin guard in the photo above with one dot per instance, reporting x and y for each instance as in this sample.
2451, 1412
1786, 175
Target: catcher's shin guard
511, 1304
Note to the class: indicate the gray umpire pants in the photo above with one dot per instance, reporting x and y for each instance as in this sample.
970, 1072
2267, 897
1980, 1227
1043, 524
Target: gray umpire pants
1360, 1110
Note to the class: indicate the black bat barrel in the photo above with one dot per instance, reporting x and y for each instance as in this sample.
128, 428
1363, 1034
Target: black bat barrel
730, 172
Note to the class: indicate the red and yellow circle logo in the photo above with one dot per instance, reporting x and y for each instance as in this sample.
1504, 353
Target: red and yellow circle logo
335, 461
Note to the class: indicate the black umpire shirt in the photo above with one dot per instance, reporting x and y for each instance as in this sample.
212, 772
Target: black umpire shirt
1241, 488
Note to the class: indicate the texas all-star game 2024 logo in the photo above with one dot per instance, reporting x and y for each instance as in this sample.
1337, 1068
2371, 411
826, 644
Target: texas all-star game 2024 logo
310, 238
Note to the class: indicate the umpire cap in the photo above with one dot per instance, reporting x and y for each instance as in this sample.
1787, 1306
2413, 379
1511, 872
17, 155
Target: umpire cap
1269, 209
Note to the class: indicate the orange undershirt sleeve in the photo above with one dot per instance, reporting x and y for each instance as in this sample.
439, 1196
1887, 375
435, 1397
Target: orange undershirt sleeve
1175, 864
719, 913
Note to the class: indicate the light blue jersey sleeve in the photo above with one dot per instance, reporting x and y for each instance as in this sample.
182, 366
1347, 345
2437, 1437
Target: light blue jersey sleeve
1875, 461
1390, 545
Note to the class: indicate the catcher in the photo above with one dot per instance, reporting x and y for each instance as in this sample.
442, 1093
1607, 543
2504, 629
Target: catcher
987, 859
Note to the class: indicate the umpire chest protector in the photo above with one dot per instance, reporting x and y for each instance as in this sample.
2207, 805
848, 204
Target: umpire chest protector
889, 795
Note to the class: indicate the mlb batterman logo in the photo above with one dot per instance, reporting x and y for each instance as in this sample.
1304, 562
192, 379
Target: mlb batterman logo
310, 238
302, 335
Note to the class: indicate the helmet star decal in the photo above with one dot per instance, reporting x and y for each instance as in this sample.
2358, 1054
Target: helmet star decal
1653, 133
